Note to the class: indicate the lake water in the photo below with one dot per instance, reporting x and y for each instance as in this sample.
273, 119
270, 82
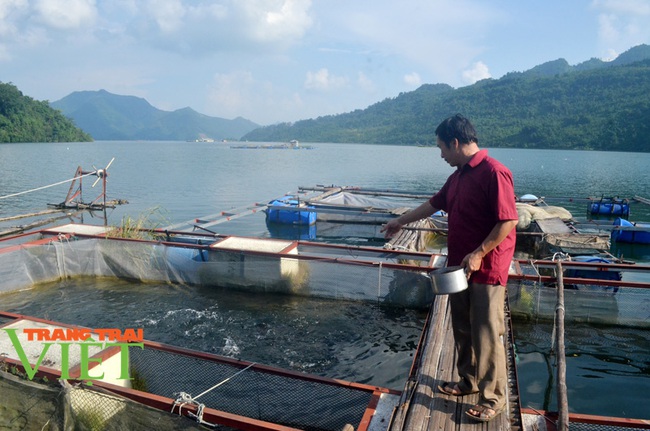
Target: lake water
187, 179
179, 181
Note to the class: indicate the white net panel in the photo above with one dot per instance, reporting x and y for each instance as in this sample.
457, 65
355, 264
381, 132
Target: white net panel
601, 305
326, 277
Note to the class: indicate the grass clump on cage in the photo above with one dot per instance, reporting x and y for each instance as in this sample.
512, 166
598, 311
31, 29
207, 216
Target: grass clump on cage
138, 381
90, 419
141, 227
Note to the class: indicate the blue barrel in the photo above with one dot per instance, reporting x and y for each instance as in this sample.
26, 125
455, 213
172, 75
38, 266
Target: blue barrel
293, 217
608, 206
630, 236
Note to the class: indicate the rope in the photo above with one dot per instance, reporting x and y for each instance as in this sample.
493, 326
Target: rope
379, 281
557, 257
224, 381
45, 187
532, 265
185, 398
561, 256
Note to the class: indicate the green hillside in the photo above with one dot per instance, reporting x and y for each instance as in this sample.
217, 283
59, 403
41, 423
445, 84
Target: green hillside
109, 116
23, 119
594, 105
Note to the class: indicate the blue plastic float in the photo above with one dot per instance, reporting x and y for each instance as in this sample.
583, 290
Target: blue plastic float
610, 206
631, 236
290, 216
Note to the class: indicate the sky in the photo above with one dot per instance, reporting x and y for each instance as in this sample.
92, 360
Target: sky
273, 61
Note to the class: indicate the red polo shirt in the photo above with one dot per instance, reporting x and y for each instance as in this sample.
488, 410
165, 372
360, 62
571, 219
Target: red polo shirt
476, 197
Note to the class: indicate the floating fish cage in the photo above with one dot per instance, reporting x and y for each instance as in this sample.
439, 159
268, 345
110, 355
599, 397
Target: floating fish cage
208, 389
250, 264
595, 292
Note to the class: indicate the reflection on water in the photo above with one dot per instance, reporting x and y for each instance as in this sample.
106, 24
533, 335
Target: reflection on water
354, 341
608, 369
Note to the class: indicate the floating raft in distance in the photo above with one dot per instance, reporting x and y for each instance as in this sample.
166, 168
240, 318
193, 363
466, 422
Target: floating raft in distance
292, 145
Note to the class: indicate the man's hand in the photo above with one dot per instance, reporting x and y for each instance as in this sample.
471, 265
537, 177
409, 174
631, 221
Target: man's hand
394, 226
472, 263
391, 228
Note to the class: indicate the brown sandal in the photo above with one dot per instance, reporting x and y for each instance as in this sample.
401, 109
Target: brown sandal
485, 414
449, 388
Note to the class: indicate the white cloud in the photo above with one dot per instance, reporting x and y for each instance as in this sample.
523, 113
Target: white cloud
277, 20
624, 7
231, 92
239, 93
610, 55
322, 80
4, 53
365, 82
193, 28
168, 14
197, 28
13, 33
477, 72
9, 8
621, 24
8, 29
413, 79
425, 34
66, 14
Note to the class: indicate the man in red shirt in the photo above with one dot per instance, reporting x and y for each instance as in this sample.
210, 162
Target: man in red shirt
480, 201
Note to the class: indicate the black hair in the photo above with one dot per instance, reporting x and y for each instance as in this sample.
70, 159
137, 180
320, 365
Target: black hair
456, 127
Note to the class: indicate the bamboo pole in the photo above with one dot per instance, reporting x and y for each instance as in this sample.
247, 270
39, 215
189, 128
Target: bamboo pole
36, 214
642, 200
562, 402
25, 228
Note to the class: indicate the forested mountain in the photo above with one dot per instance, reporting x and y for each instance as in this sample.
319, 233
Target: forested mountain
108, 116
593, 105
23, 119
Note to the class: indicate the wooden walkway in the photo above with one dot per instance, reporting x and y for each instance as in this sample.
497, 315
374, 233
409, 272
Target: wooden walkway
423, 407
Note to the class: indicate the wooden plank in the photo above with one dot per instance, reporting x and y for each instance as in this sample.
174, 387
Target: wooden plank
642, 200
38, 223
325, 194
36, 214
553, 225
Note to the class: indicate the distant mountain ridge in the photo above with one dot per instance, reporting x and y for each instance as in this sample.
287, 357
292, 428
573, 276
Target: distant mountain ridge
23, 119
561, 66
107, 116
593, 105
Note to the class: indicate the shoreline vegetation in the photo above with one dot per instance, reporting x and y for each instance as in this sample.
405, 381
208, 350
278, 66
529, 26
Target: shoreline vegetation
23, 119
594, 105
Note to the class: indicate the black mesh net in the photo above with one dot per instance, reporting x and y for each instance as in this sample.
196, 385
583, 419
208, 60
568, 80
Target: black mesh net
253, 393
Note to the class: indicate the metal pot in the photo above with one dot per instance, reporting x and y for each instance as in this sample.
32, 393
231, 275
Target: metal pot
451, 279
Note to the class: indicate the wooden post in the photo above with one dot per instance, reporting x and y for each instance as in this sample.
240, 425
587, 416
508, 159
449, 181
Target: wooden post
562, 403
